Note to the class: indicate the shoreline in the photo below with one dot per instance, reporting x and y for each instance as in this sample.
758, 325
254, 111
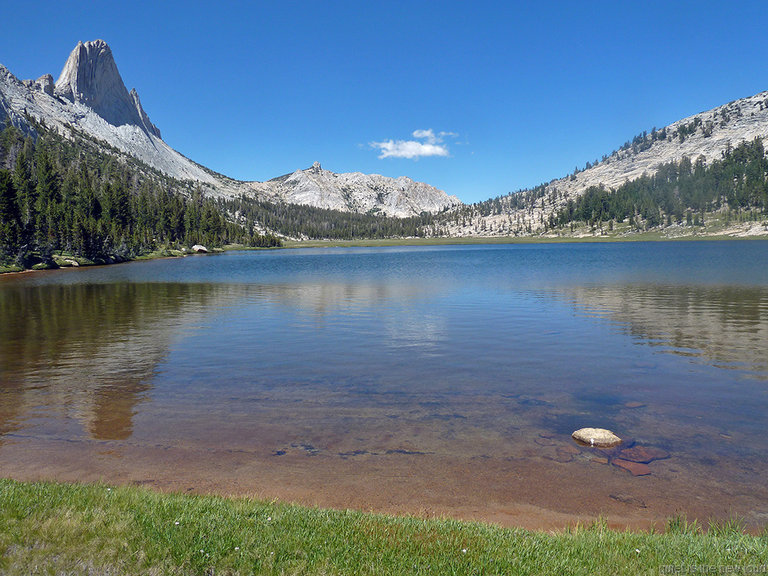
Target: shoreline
492, 240
514, 516
531, 491
650, 236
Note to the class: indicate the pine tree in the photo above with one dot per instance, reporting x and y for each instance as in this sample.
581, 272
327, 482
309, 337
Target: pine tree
10, 220
26, 195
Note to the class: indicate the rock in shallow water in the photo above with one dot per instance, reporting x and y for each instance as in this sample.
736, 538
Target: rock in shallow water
634, 405
599, 437
643, 454
635, 468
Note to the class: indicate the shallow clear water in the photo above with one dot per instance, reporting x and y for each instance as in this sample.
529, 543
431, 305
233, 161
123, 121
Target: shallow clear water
427, 379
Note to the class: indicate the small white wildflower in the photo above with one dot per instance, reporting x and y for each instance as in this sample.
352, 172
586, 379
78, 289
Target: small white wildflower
269, 518
176, 523
463, 550
237, 548
202, 551
109, 489
637, 550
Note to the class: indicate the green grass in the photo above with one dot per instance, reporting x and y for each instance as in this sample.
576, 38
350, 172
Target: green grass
161, 253
376, 242
5, 268
650, 236
48, 528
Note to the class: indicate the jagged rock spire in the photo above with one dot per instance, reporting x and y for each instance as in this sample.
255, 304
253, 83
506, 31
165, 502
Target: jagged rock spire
91, 78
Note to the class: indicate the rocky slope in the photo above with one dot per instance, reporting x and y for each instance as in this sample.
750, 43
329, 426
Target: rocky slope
702, 136
90, 97
356, 192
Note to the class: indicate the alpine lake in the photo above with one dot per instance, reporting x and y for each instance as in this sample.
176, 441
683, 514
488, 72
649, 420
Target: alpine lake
437, 381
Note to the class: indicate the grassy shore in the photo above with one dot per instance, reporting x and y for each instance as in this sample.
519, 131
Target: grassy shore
650, 236
49, 528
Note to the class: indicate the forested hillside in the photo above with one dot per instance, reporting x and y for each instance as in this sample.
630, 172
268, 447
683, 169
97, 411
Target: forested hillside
58, 194
680, 192
303, 221
733, 187
70, 195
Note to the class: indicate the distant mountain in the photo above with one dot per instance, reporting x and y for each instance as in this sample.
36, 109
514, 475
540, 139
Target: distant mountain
91, 98
702, 138
90, 77
705, 135
356, 192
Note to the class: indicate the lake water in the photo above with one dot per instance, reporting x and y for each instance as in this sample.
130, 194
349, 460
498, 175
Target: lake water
427, 380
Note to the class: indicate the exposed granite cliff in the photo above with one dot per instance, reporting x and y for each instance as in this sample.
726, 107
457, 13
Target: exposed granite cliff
356, 192
90, 77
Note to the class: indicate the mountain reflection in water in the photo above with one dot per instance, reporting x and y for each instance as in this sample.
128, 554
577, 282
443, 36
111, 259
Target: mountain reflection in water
92, 350
89, 350
725, 326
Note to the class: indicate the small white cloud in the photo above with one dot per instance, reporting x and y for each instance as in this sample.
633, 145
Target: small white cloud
431, 145
408, 149
427, 135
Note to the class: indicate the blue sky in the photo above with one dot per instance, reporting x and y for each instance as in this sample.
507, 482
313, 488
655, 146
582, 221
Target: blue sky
476, 98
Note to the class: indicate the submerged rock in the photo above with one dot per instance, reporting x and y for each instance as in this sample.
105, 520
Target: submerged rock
634, 468
643, 454
599, 437
628, 499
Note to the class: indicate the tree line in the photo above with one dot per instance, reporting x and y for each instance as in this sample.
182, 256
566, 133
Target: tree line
301, 221
56, 194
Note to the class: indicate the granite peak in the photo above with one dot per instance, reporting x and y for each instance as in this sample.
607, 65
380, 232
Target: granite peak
90, 77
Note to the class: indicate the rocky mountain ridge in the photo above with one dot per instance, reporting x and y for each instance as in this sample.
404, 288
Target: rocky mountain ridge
315, 186
90, 97
704, 136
